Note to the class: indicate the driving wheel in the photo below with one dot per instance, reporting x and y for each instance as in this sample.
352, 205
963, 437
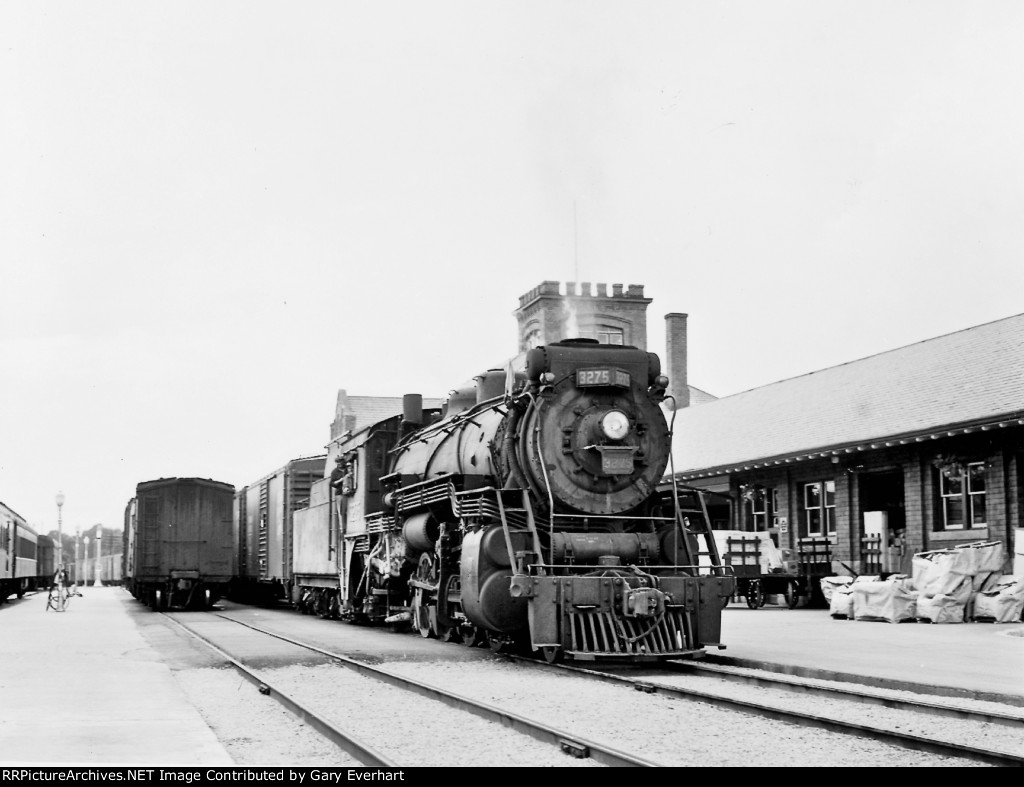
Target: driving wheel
421, 616
424, 612
448, 633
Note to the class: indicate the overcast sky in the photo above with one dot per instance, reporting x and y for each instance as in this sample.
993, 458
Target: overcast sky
215, 215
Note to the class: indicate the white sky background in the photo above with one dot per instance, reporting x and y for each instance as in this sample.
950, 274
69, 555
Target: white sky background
215, 215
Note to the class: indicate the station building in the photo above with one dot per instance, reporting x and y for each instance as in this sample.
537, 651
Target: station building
910, 450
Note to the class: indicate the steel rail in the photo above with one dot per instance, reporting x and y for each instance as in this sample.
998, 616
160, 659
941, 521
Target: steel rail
875, 682
344, 740
809, 685
567, 742
901, 739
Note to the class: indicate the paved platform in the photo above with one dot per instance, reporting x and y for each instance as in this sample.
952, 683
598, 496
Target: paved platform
978, 660
83, 687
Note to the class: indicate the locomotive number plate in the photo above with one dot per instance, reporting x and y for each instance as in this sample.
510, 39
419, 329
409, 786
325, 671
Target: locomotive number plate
617, 464
602, 376
616, 459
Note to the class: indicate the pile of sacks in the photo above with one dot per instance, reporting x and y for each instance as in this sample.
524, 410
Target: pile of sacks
948, 586
949, 580
893, 599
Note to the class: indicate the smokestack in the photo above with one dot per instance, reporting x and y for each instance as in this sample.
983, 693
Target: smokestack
675, 361
412, 412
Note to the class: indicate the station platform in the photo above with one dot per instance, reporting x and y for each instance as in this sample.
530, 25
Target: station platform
83, 687
983, 661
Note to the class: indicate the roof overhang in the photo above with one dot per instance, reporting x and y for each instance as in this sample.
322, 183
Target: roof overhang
874, 444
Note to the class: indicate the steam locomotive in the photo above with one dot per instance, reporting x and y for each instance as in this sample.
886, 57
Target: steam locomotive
526, 514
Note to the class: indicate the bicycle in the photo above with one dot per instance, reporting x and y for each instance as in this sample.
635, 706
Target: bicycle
60, 593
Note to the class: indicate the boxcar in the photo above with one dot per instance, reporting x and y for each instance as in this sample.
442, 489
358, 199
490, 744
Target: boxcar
263, 519
110, 569
107, 569
46, 561
181, 540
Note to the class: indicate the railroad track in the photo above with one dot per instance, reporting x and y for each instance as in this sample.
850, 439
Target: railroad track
989, 712
572, 746
783, 693
715, 730
346, 740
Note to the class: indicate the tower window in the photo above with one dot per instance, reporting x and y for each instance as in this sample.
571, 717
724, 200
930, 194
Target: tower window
606, 335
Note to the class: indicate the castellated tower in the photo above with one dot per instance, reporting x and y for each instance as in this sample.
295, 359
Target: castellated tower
615, 315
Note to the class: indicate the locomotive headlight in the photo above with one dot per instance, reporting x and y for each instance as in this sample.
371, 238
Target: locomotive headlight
615, 425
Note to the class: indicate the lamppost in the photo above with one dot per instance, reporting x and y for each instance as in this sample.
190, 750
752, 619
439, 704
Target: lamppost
60, 531
99, 551
78, 536
85, 561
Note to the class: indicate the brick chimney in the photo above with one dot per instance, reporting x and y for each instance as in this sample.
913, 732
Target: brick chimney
675, 359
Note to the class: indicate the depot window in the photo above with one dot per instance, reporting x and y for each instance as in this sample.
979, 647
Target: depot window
962, 497
819, 509
761, 507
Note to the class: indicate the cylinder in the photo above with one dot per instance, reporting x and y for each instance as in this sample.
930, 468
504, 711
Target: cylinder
420, 532
494, 548
499, 610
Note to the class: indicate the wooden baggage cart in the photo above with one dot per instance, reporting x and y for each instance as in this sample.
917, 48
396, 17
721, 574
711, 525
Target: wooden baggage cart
754, 584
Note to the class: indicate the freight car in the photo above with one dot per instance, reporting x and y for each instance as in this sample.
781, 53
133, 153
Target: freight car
21, 569
108, 569
263, 514
111, 567
46, 561
179, 543
525, 515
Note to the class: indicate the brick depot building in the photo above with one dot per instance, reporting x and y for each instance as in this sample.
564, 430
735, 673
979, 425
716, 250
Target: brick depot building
910, 450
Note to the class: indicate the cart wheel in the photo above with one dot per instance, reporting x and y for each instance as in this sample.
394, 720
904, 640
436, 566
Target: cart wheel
792, 594
748, 593
755, 594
